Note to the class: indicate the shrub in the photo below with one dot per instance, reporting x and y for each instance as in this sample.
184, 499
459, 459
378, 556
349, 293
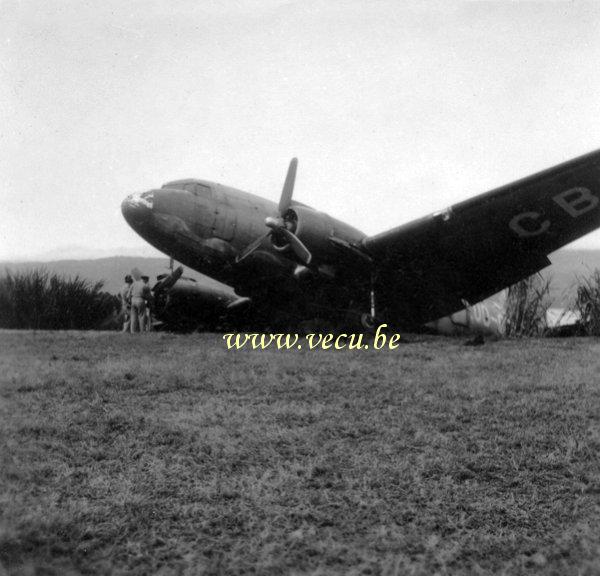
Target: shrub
526, 304
587, 303
35, 299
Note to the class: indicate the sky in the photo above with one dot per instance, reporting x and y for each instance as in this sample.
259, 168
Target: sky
394, 109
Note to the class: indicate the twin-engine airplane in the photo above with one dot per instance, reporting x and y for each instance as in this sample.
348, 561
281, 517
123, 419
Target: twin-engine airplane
295, 263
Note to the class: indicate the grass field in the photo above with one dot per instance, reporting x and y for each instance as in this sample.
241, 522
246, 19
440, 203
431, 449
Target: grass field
172, 455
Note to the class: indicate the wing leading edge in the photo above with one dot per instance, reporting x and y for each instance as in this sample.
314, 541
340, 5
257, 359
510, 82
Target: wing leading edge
477, 247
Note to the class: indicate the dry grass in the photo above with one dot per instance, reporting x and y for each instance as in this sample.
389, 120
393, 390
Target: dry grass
587, 303
171, 455
527, 302
39, 300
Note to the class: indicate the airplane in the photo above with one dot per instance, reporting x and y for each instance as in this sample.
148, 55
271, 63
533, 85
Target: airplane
295, 263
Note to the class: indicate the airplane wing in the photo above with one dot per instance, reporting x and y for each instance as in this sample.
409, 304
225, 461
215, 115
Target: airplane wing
425, 268
183, 303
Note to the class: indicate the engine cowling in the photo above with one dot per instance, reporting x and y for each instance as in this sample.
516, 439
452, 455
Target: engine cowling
313, 228
310, 236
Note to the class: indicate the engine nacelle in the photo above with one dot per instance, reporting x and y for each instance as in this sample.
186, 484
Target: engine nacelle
314, 230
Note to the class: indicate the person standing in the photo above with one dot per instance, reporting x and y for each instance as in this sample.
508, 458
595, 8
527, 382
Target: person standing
140, 292
125, 299
149, 306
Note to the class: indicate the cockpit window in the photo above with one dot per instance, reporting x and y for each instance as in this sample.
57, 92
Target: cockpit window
197, 189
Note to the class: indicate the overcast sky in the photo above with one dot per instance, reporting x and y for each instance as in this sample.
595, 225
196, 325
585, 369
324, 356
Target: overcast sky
394, 109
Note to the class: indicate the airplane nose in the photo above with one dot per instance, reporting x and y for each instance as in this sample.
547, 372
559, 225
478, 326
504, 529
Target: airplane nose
137, 207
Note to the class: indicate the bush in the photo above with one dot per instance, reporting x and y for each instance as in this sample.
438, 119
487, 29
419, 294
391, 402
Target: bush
35, 299
526, 305
587, 303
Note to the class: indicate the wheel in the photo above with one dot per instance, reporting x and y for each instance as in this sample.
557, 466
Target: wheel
368, 322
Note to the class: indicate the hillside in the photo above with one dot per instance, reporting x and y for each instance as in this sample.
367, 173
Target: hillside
567, 265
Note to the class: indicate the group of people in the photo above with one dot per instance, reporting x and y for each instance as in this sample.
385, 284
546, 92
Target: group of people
136, 302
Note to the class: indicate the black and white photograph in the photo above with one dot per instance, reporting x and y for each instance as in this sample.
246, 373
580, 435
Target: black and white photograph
299, 287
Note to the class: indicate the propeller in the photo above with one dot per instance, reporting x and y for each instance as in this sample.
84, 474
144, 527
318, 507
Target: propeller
169, 280
281, 227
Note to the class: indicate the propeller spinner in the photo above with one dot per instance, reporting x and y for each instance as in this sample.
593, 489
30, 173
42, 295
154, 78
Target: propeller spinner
282, 227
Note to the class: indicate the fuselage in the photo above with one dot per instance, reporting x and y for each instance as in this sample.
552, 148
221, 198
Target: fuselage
205, 226
201, 224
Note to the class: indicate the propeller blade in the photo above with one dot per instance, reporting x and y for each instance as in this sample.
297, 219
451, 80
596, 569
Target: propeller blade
251, 248
277, 224
170, 280
300, 250
288, 188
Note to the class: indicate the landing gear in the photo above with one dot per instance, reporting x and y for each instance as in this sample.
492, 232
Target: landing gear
369, 320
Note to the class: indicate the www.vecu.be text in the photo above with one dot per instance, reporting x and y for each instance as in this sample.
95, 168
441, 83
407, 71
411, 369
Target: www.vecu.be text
328, 341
